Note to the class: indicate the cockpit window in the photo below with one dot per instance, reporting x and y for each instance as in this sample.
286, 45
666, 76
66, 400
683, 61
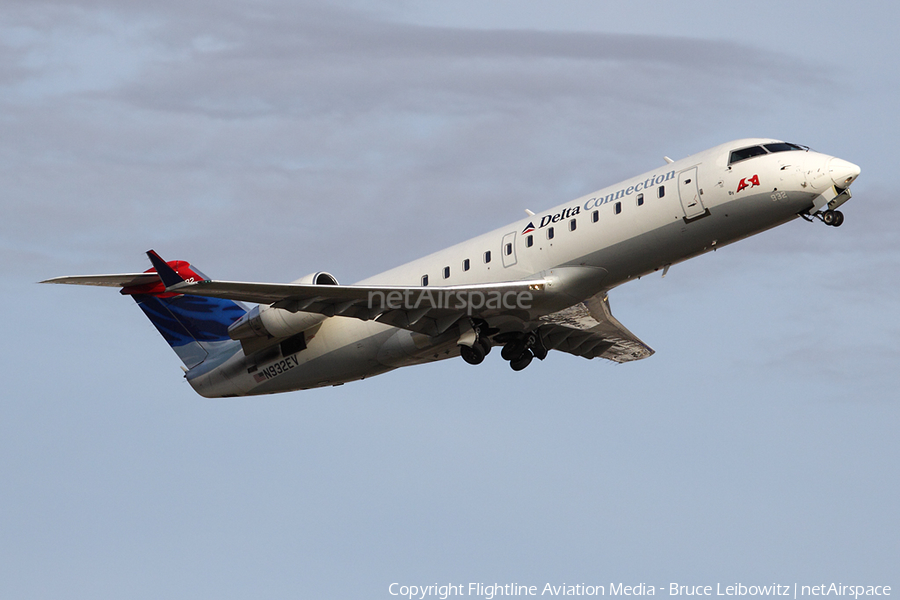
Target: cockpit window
745, 153
782, 147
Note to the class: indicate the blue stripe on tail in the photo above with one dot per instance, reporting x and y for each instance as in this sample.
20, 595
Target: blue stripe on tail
195, 327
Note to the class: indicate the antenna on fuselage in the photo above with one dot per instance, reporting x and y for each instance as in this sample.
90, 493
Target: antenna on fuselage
668, 160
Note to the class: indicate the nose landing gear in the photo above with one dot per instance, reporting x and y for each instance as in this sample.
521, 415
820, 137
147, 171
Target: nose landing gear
834, 218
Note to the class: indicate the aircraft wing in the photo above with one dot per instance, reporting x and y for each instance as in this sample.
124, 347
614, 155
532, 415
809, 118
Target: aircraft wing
429, 310
588, 329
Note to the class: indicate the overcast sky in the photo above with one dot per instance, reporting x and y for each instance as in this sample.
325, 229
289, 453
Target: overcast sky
266, 140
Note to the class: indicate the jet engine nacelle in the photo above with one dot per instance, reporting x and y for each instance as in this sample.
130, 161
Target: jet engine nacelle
266, 321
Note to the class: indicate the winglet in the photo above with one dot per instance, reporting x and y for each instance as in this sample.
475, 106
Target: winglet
166, 273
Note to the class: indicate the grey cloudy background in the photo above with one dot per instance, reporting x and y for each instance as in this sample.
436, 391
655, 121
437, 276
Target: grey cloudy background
265, 140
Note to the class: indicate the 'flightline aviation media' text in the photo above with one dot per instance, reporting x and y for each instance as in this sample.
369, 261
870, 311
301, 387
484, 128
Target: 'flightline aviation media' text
489, 591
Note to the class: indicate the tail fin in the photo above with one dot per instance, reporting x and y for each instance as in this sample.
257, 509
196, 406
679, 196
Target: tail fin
195, 327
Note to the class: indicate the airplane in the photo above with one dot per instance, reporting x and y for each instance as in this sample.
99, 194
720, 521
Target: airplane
536, 285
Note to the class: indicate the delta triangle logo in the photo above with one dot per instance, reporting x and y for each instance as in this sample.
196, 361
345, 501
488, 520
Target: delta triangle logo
528, 228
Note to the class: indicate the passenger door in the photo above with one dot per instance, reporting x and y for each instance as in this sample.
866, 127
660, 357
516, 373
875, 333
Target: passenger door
689, 193
508, 249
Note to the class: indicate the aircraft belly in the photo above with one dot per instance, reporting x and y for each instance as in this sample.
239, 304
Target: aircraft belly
405, 348
342, 350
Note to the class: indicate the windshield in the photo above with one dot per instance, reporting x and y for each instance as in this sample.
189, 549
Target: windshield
782, 147
745, 153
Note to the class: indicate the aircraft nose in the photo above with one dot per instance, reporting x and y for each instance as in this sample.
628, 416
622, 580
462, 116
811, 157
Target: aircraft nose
842, 173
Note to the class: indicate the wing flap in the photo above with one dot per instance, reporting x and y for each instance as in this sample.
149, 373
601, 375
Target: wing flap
588, 329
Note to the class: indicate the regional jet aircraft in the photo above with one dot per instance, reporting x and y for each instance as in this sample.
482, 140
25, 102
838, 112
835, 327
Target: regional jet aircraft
538, 284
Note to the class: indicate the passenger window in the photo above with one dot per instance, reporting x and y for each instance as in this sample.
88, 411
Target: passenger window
595, 216
529, 241
640, 200
466, 265
550, 233
508, 249
424, 280
572, 225
446, 272
487, 257
662, 191
618, 207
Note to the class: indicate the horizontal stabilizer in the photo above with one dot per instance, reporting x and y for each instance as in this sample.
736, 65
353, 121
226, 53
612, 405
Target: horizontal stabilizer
196, 328
119, 280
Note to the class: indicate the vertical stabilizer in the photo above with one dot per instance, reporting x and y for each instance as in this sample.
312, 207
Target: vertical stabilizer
196, 328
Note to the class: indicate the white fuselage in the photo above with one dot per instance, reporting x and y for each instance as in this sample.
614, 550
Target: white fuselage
627, 230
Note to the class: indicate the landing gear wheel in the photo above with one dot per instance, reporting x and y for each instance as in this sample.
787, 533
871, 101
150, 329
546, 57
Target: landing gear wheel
838, 218
828, 217
523, 361
513, 350
485, 343
473, 355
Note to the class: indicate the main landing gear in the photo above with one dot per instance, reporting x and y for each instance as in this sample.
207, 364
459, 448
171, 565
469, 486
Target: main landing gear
474, 355
834, 218
521, 348
481, 346
518, 348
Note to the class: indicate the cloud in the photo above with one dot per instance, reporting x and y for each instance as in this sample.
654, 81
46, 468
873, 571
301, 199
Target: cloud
311, 61
324, 131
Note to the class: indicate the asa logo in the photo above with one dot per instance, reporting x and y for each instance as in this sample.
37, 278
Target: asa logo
748, 182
